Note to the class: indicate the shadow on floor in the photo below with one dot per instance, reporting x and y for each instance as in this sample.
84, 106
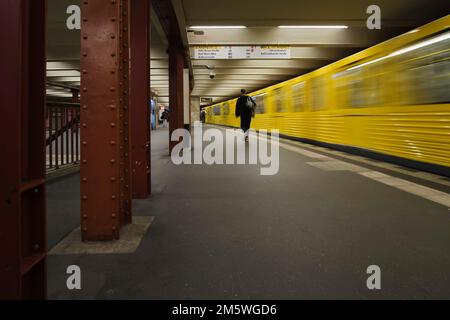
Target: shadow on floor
63, 207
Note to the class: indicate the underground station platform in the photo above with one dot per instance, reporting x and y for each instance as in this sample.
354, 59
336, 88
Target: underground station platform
224, 159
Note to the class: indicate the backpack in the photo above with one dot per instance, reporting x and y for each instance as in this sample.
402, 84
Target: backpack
250, 104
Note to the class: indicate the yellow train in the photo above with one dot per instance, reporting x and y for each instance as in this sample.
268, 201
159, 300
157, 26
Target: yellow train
391, 101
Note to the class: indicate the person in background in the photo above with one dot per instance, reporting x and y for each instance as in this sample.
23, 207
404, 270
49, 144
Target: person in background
165, 117
245, 109
152, 115
160, 113
202, 116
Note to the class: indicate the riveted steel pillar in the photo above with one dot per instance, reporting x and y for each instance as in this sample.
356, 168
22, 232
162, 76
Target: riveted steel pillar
125, 148
104, 116
140, 97
176, 88
23, 242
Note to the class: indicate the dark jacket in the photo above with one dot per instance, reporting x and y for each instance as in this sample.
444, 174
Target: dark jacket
165, 115
245, 112
241, 107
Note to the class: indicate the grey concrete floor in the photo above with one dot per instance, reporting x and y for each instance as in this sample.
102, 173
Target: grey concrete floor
63, 207
226, 232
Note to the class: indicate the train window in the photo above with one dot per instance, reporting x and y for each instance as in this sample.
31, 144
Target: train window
358, 88
373, 88
426, 75
226, 109
217, 110
298, 95
279, 99
436, 87
259, 99
417, 74
318, 87
356, 93
341, 87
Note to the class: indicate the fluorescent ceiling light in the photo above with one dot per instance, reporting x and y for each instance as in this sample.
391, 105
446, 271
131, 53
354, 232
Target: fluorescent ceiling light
313, 27
217, 27
419, 45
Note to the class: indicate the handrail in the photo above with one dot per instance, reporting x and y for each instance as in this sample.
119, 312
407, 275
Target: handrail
63, 129
63, 104
62, 140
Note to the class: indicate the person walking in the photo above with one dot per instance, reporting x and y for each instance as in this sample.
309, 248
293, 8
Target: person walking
203, 116
164, 117
245, 109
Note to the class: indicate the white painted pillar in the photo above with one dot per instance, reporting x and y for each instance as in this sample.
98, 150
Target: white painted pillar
195, 109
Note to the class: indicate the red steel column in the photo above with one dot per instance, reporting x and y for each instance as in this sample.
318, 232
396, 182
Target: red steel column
140, 98
176, 88
23, 227
103, 120
125, 148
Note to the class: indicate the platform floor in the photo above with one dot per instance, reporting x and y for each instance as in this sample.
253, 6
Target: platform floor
226, 232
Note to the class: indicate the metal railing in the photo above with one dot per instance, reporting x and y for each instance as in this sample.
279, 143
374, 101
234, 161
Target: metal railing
62, 134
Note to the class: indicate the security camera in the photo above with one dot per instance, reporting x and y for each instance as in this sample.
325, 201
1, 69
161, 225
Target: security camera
212, 75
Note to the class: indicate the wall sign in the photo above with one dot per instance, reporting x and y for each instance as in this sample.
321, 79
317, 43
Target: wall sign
241, 52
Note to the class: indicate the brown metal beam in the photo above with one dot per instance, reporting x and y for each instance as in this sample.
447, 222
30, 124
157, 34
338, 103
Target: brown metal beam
23, 242
166, 13
179, 58
176, 88
104, 108
125, 133
140, 98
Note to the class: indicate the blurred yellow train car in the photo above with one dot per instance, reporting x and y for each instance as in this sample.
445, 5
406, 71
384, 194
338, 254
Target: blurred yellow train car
391, 101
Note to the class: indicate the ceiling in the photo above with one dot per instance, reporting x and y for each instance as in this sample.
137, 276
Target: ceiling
63, 53
310, 48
